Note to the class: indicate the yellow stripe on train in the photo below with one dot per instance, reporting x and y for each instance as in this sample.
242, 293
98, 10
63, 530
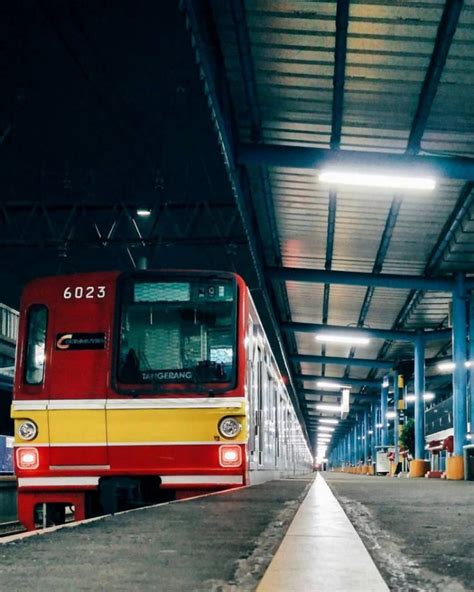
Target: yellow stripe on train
130, 426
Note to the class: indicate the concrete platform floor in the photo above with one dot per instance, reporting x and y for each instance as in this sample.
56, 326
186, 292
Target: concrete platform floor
218, 543
420, 532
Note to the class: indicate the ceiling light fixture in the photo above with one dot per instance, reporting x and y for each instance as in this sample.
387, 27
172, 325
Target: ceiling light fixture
143, 212
328, 420
386, 181
333, 386
447, 366
335, 338
328, 407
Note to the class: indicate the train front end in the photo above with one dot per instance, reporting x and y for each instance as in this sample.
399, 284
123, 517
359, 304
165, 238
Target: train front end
129, 390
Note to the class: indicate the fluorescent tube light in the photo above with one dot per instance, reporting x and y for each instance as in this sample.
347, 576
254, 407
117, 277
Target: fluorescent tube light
411, 398
335, 338
328, 407
333, 386
386, 181
447, 366
143, 212
325, 429
328, 420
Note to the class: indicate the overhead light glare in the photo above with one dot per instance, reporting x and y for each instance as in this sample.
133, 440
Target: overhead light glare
328, 420
328, 407
377, 180
332, 386
379, 425
411, 398
449, 366
335, 338
325, 429
143, 212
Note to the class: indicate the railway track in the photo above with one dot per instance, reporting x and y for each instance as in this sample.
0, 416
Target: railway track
10, 528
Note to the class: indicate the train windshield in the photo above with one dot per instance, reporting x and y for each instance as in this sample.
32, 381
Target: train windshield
180, 331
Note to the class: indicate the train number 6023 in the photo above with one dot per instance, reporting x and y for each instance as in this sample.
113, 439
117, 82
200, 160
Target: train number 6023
87, 292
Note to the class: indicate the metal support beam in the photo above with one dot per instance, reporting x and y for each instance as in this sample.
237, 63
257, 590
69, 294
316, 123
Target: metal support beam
366, 436
396, 421
419, 384
459, 372
446, 30
353, 278
383, 411
365, 332
373, 423
360, 362
471, 368
317, 158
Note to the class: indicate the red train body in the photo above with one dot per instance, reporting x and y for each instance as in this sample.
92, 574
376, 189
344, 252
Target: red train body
133, 388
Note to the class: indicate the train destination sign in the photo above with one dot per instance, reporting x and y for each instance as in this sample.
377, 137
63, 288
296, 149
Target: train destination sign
69, 341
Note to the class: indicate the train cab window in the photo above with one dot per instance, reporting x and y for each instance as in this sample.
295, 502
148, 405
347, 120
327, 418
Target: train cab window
177, 331
35, 344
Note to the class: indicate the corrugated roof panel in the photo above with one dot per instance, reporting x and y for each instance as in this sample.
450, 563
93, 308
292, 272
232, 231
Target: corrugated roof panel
305, 302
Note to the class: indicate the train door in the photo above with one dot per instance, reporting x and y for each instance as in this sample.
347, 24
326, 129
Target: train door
251, 404
79, 356
260, 442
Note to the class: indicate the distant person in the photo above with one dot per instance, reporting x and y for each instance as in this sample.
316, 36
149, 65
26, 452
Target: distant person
130, 371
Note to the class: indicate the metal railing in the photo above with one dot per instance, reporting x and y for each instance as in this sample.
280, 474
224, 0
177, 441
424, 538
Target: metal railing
8, 323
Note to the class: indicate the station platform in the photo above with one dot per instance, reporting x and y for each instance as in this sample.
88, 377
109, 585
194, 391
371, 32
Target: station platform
333, 532
222, 542
419, 531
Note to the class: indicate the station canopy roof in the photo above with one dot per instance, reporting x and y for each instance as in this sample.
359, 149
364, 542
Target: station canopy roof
219, 118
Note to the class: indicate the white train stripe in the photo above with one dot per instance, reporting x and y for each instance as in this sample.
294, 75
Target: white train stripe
29, 405
116, 404
45, 481
165, 479
79, 467
82, 444
196, 479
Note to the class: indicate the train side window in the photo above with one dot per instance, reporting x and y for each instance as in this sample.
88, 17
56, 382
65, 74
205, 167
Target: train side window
35, 344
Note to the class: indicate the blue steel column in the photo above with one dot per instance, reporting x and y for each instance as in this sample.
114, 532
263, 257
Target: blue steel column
396, 397
383, 411
366, 434
354, 459
471, 367
419, 401
459, 359
373, 439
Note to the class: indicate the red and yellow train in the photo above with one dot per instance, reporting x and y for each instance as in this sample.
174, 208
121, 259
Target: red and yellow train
136, 387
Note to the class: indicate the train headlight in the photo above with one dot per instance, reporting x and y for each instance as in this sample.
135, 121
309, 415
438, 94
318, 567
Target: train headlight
27, 430
229, 427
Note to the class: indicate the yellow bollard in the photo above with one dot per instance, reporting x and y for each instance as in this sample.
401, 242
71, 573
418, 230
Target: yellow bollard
455, 468
418, 468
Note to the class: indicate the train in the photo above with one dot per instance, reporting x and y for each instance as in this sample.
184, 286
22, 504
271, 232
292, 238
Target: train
138, 387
